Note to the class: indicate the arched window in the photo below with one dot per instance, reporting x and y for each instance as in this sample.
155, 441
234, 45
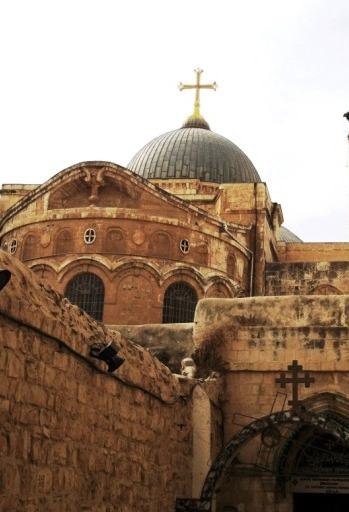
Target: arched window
179, 303
87, 292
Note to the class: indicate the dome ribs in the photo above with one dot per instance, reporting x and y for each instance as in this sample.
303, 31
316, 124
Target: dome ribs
194, 153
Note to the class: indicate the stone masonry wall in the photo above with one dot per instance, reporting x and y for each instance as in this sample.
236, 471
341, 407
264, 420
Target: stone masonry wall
250, 341
170, 343
73, 437
254, 339
313, 251
324, 277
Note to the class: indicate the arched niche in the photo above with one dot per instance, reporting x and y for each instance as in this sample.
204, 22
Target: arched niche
218, 290
30, 247
64, 242
325, 289
115, 241
137, 295
160, 245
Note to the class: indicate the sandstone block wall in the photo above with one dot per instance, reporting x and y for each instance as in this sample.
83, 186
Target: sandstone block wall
250, 341
254, 339
313, 251
72, 436
324, 277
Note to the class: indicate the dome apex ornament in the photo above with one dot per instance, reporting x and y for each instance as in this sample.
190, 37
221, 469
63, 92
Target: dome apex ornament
193, 151
196, 120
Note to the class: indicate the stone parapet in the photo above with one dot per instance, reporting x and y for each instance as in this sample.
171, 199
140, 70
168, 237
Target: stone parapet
267, 333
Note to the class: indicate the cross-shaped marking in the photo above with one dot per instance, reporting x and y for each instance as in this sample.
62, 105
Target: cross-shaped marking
197, 86
294, 368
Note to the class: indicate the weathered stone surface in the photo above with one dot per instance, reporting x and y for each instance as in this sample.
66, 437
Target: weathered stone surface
252, 342
137, 249
170, 343
74, 437
313, 252
267, 333
307, 278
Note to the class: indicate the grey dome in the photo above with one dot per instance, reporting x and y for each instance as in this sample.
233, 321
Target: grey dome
194, 153
285, 235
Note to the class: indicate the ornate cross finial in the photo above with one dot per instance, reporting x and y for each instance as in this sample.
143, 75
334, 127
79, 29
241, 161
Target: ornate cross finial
197, 86
294, 368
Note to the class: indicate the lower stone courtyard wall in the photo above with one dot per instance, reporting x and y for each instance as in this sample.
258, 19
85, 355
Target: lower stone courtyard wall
73, 437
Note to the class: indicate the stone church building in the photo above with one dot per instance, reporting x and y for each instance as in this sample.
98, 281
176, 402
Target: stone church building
167, 344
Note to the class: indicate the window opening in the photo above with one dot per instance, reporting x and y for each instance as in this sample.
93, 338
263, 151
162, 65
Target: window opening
87, 292
179, 303
184, 245
13, 246
89, 236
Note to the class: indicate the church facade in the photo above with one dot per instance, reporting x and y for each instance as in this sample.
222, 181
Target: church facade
181, 259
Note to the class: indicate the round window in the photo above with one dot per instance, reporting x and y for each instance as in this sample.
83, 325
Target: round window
184, 245
89, 236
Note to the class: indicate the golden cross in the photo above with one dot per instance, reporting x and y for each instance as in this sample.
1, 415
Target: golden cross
197, 86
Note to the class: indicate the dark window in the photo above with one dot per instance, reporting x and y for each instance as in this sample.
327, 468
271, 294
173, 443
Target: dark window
184, 246
179, 304
87, 292
13, 246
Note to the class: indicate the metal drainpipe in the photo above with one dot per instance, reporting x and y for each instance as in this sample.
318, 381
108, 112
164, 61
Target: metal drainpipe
246, 249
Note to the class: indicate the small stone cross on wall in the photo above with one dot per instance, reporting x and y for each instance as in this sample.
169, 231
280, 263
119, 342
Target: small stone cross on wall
295, 380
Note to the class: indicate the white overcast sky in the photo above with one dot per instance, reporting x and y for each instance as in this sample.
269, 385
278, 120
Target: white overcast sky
96, 80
